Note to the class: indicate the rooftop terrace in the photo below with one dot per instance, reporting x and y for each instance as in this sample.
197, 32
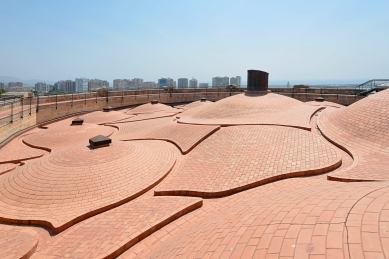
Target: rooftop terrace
248, 176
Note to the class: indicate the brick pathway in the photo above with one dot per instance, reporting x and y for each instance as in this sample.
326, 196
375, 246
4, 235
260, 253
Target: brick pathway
100, 117
68, 186
150, 108
149, 116
241, 157
362, 129
307, 222
185, 136
4, 168
15, 151
62, 137
109, 234
17, 242
193, 105
271, 109
324, 104
100, 203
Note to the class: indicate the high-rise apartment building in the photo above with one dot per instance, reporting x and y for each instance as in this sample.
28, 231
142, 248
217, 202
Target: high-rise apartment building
97, 83
149, 85
220, 81
193, 83
2, 85
238, 81
67, 86
123, 84
182, 83
203, 85
81, 84
42, 87
13, 84
232, 81
166, 82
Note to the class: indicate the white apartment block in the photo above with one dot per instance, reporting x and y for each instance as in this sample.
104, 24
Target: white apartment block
81, 84
220, 81
193, 83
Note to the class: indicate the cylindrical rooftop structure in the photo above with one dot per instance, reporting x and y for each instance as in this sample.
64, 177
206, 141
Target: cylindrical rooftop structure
257, 80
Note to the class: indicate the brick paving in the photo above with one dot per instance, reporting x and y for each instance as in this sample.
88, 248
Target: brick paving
305, 222
149, 116
17, 242
16, 151
324, 104
62, 137
5, 168
81, 203
149, 108
68, 186
100, 117
184, 136
362, 129
111, 233
240, 157
240, 109
193, 105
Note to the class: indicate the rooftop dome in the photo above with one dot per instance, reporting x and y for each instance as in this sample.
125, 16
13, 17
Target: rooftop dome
252, 109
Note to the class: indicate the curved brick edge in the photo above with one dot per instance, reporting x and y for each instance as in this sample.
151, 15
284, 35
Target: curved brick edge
50, 150
337, 177
367, 225
220, 194
57, 229
33, 245
144, 119
184, 152
146, 232
7, 167
246, 124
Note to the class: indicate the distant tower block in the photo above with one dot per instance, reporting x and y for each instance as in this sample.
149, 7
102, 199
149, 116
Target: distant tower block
257, 82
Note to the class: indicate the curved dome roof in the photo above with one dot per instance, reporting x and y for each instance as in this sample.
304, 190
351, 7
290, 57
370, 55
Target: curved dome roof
246, 109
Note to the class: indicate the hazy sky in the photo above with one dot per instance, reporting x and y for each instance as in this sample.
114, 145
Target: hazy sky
292, 40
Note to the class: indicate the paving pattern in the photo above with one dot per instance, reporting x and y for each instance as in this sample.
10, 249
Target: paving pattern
68, 186
184, 136
5, 168
194, 105
362, 129
149, 108
270, 183
324, 104
368, 226
307, 222
62, 137
17, 242
150, 116
240, 109
16, 151
100, 117
241, 157
111, 233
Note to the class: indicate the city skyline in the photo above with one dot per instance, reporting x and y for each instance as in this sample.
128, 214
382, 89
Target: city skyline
312, 41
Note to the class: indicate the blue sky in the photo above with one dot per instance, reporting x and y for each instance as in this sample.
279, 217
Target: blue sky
299, 41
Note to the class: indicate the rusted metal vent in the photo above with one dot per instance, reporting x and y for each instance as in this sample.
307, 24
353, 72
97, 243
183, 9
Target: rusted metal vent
78, 121
100, 141
154, 101
107, 109
319, 99
203, 99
